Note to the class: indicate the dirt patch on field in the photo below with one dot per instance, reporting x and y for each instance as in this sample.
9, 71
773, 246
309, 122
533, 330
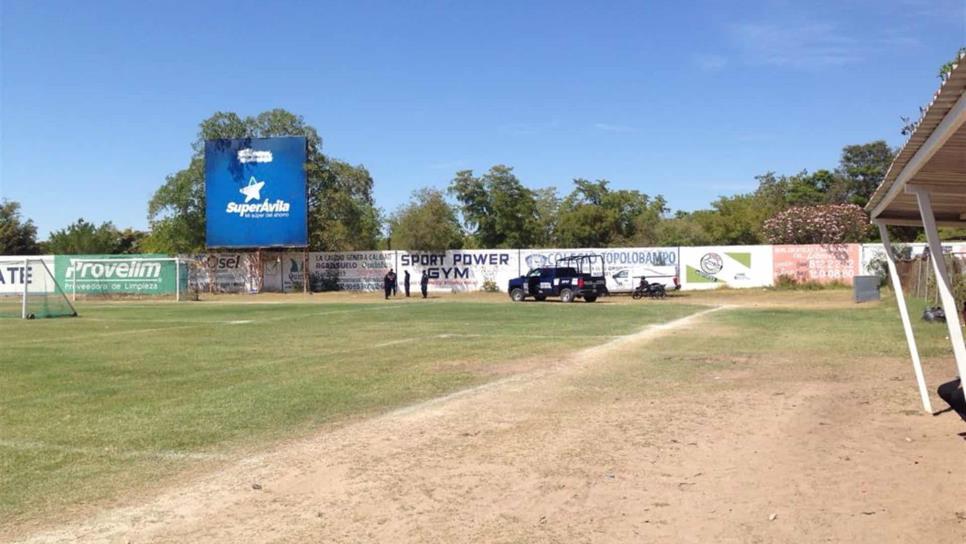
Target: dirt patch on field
574, 452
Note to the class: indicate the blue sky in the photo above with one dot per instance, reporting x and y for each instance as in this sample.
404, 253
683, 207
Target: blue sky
99, 100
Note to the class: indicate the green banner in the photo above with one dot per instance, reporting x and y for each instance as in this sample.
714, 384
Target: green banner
130, 274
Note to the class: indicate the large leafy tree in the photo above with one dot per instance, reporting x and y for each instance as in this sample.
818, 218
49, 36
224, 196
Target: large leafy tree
342, 214
864, 166
17, 236
497, 208
594, 215
426, 223
83, 237
547, 205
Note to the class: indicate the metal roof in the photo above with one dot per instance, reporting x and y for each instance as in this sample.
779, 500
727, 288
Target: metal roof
933, 157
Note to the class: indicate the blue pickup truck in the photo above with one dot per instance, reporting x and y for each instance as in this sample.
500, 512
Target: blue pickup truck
570, 278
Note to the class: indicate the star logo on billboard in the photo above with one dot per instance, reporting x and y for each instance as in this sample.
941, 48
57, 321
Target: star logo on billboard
253, 190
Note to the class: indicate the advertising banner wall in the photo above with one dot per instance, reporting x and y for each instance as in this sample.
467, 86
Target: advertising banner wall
76, 273
350, 271
225, 273
623, 267
12, 273
818, 263
459, 270
734, 266
283, 272
255, 193
873, 255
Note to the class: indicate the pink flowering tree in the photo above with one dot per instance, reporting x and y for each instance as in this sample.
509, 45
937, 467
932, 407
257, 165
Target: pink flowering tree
821, 224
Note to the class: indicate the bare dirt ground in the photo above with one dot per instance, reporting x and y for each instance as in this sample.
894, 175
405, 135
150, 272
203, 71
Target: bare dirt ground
572, 453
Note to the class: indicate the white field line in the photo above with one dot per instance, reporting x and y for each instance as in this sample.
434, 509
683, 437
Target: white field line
446, 336
648, 332
27, 445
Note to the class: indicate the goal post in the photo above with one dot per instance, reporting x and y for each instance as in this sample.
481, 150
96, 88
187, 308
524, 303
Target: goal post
126, 277
30, 290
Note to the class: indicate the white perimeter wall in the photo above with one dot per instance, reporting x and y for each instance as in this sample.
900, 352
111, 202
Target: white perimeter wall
12, 276
704, 267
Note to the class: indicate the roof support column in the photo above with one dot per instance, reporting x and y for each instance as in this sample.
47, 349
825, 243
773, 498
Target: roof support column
904, 314
942, 277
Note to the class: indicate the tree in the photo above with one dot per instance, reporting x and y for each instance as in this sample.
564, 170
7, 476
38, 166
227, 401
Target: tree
427, 223
822, 224
129, 241
735, 220
17, 237
864, 167
342, 214
498, 210
82, 237
547, 205
593, 215
684, 229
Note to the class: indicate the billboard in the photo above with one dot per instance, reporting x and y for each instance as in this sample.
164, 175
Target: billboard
623, 267
350, 271
255, 193
817, 263
13, 275
225, 273
97, 275
732, 266
460, 270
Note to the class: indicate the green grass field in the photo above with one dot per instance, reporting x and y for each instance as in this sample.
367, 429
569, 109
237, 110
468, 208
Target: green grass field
132, 394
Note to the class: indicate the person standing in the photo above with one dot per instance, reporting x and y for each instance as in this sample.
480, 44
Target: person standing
395, 283
424, 283
406, 282
388, 281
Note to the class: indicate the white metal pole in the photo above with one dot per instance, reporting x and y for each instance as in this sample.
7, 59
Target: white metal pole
23, 278
904, 315
942, 278
177, 280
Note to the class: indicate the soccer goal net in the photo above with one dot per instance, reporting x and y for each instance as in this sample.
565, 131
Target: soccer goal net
162, 278
29, 290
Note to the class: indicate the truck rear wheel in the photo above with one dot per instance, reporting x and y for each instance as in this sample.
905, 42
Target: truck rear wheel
566, 295
517, 295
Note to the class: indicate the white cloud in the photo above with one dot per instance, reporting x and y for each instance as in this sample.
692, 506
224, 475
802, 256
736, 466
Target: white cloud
811, 45
616, 129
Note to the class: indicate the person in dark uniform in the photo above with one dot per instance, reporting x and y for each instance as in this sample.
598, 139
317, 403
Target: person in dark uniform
406, 282
388, 281
395, 283
952, 393
424, 283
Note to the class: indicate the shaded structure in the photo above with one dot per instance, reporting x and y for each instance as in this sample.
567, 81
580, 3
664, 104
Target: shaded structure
926, 186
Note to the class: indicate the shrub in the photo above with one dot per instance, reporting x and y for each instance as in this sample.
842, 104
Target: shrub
821, 224
785, 282
490, 286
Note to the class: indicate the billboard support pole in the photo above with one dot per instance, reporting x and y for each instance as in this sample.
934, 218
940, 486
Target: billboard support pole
305, 271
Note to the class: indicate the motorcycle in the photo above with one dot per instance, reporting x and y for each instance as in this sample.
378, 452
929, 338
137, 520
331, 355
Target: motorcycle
650, 290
